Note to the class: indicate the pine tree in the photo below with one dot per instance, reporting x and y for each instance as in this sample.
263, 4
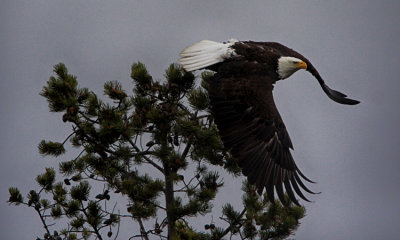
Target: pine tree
163, 125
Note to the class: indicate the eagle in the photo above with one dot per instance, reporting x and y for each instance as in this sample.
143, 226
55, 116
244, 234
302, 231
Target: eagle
245, 113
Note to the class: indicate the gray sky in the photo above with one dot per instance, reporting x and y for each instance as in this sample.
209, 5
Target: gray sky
351, 151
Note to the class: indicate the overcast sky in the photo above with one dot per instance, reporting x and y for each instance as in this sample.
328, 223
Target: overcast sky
351, 151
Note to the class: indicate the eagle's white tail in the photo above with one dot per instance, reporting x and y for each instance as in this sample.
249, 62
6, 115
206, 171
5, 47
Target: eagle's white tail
205, 53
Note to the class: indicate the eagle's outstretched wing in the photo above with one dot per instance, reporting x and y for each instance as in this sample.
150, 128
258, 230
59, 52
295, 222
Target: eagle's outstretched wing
251, 127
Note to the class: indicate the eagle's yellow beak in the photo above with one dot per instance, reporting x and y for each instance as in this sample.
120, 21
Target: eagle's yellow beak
301, 65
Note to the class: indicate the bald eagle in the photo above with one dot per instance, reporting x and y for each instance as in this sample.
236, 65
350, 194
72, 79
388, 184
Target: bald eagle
244, 110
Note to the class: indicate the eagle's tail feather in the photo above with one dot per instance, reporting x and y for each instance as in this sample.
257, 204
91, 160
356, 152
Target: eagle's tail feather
205, 53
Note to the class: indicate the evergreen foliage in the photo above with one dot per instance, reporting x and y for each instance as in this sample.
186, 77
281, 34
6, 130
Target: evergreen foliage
163, 125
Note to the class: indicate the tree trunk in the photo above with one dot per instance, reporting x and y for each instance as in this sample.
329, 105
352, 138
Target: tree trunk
169, 199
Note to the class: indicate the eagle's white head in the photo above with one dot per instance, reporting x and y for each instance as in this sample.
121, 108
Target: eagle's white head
289, 65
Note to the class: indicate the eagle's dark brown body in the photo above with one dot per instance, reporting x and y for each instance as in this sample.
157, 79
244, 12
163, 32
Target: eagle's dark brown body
249, 122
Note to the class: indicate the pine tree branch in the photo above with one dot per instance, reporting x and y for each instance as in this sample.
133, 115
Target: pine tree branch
148, 160
229, 228
79, 231
96, 230
88, 118
66, 139
43, 221
142, 229
119, 225
187, 185
92, 141
186, 150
